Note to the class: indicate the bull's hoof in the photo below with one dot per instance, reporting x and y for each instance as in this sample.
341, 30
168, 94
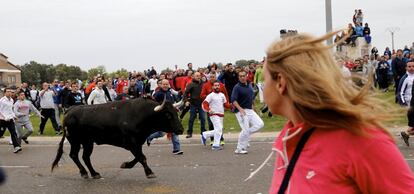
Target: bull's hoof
126, 165
151, 176
96, 176
85, 176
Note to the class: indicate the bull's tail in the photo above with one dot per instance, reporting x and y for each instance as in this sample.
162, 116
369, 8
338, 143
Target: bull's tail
60, 149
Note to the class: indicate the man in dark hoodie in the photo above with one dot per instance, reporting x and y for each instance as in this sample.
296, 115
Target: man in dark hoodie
26, 90
398, 69
230, 78
74, 98
193, 99
65, 95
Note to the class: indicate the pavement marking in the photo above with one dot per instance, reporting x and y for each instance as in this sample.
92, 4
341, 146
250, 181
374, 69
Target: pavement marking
159, 189
14, 166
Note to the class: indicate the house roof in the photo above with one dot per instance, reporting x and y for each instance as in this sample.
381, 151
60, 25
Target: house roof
3, 55
8, 62
13, 65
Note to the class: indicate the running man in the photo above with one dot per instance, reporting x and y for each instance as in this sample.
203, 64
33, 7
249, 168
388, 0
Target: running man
249, 121
22, 108
214, 105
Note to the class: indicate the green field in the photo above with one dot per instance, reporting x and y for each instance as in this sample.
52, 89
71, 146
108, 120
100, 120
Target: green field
271, 124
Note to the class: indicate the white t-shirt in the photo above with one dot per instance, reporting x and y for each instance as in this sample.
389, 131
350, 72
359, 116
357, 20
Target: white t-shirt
216, 102
33, 94
6, 108
112, 93
46, 101
97, 96
153, 84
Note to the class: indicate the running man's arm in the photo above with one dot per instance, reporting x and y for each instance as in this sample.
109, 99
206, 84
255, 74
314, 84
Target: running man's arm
91, 97
402, 91
34, 109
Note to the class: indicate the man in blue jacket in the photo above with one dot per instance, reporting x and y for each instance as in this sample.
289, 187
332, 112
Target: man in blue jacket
159, 96
249, 121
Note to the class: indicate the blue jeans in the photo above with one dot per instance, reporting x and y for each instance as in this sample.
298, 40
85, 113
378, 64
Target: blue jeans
193, 114
174, 139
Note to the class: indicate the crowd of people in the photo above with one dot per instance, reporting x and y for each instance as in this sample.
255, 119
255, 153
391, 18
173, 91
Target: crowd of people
206, 92
353, 31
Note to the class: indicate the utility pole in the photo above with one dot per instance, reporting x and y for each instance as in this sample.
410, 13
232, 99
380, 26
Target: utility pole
328, 13
392, 30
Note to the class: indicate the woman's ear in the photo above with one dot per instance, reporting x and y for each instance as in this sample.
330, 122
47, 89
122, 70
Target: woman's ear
281, 85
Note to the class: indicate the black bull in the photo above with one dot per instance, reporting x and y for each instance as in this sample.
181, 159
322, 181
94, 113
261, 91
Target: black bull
125, 124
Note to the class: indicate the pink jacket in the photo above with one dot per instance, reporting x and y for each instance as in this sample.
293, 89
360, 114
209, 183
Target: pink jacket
337, 161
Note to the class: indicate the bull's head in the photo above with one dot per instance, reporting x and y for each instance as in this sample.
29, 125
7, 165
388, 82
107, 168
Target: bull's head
169, 112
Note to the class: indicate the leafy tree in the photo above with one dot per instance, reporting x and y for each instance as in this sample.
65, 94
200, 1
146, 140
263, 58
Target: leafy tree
243, 62
100, 70
168, 70
31, 72
35, 73
120, 72
64, 72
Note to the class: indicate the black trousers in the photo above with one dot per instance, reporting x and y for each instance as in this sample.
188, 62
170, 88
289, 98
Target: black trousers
48, 113
12, 129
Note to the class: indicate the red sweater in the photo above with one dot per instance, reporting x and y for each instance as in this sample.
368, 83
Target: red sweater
337, 161
120, 86
208, 88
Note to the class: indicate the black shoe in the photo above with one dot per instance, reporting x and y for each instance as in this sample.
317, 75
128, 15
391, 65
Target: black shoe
25, 140
189, 136
405, 137
178, 152
148, 142
264, 109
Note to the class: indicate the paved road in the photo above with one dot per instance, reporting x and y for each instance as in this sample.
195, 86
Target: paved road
199, 170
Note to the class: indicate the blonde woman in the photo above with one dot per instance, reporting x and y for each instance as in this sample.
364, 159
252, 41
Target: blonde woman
334, 127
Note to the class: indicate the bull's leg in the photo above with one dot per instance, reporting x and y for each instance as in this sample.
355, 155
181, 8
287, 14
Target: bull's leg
139, 157
129, 164
74, 154
143, 160
86, 156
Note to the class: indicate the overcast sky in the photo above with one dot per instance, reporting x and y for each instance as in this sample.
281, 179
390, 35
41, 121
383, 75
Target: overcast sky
137, 34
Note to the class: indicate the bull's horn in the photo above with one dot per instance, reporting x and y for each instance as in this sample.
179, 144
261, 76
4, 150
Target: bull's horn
161, 106
178, 104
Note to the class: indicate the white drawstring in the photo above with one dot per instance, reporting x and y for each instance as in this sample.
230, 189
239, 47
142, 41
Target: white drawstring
282, 154
260, 167
287, 137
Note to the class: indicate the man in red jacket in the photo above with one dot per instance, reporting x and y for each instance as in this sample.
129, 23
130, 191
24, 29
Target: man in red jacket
206, 90
121, 84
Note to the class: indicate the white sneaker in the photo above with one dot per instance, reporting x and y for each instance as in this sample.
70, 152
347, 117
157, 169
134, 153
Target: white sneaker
240, 151
17, 149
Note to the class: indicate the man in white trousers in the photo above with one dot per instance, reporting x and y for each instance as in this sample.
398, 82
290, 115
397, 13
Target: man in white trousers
242, 98
214, 105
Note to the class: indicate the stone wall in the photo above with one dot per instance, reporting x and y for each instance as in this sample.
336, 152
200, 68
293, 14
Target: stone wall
358, 51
